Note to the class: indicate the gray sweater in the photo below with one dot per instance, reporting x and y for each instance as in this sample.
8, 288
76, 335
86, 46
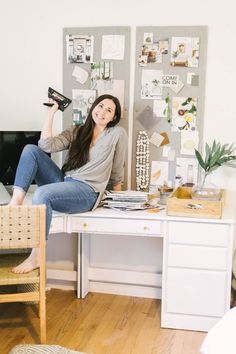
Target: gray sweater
106, 159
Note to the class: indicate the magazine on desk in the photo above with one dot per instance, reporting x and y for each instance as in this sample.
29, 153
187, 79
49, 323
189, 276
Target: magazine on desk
129, 200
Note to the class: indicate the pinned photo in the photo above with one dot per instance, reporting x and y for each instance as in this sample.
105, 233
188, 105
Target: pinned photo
148, 38
151, 52
79, 49
184, 111
102, 75
163, 46
82, 102
185, 51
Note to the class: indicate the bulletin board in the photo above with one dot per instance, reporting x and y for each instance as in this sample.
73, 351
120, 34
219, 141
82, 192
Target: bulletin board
169, 95
96, 60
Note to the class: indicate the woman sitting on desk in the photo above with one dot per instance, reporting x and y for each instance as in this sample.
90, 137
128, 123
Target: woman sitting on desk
97, 152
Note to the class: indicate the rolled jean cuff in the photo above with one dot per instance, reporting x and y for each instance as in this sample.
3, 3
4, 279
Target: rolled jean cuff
19, 188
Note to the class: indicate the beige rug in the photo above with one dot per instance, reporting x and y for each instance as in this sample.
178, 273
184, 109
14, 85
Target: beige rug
42, 349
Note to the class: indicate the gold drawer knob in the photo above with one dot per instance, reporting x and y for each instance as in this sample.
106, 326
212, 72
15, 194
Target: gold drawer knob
85, 225
146, 228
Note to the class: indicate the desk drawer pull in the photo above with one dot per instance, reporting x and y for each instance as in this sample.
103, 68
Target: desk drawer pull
146, 228
85, 225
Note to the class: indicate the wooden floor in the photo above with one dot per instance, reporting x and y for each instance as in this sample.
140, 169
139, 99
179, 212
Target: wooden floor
99, 324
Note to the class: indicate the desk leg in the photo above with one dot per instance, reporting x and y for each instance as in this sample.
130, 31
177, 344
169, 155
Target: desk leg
83, 264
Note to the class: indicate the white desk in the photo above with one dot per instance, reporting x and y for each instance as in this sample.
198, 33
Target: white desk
197, 261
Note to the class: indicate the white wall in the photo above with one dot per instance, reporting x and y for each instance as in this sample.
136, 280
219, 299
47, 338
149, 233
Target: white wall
31, 56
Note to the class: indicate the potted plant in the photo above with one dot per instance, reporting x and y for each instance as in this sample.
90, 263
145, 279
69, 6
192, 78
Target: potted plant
216, 155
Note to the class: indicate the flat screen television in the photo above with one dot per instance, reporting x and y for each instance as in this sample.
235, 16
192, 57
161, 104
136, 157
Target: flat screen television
11, 146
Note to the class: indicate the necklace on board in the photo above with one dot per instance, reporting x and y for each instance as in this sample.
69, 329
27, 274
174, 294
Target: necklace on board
142, 161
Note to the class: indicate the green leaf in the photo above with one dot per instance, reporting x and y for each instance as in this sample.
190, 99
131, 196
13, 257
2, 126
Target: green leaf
230, 164
200, 159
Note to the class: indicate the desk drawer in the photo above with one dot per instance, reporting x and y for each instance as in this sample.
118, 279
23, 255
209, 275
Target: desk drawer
116, 226
214, 258
196, 292
58, 224
199, 233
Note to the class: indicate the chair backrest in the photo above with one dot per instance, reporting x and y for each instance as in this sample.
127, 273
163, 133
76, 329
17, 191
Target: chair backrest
21, 226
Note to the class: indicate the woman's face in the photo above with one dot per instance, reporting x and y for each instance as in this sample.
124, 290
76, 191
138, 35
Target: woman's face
104, 112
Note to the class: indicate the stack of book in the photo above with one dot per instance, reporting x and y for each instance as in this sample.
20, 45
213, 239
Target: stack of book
127, 200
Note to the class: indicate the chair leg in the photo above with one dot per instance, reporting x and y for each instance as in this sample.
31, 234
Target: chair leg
42, 316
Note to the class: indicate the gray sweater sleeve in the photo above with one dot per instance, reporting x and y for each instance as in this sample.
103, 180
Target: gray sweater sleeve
57, 143
119, 160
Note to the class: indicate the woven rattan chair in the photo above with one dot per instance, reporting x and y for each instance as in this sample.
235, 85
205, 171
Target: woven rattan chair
23, 227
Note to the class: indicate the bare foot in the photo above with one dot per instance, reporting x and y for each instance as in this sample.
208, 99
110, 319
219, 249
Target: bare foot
29, 264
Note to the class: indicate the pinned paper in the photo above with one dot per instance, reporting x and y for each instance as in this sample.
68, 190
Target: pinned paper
177, 88
184, 111
148, 38
185, 51
189, 142
118, 90
160, 108
166, 139
80, 74
189, 78
192, 79
156, 139
79, 49
82, 101
113, 47
170, 80
159, 173
171, 155
163, 46
147, 118
151, 84
195, 80
102, 75
166, 150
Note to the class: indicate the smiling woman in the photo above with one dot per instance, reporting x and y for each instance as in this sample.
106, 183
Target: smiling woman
96, 158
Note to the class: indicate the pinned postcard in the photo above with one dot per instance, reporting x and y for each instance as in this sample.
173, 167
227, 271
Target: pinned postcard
102, 75
80, 74
151, 84
160, 108
189, 142
113, 47
82, 101
186, 171
163, 46
159, 173
183, 113
185, 51
79, 49
142, 60
151, 52
148, 38
118, 90
156, 139
147, 118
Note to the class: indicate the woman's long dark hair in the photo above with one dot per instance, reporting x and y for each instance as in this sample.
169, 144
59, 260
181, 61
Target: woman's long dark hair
79, 150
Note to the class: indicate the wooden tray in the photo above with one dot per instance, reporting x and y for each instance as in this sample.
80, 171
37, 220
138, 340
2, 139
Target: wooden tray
181, 203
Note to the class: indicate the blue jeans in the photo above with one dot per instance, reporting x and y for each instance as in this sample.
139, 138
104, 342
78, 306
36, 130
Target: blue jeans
57, 192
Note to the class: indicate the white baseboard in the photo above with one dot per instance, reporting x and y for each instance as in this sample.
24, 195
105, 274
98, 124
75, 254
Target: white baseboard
124, 289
